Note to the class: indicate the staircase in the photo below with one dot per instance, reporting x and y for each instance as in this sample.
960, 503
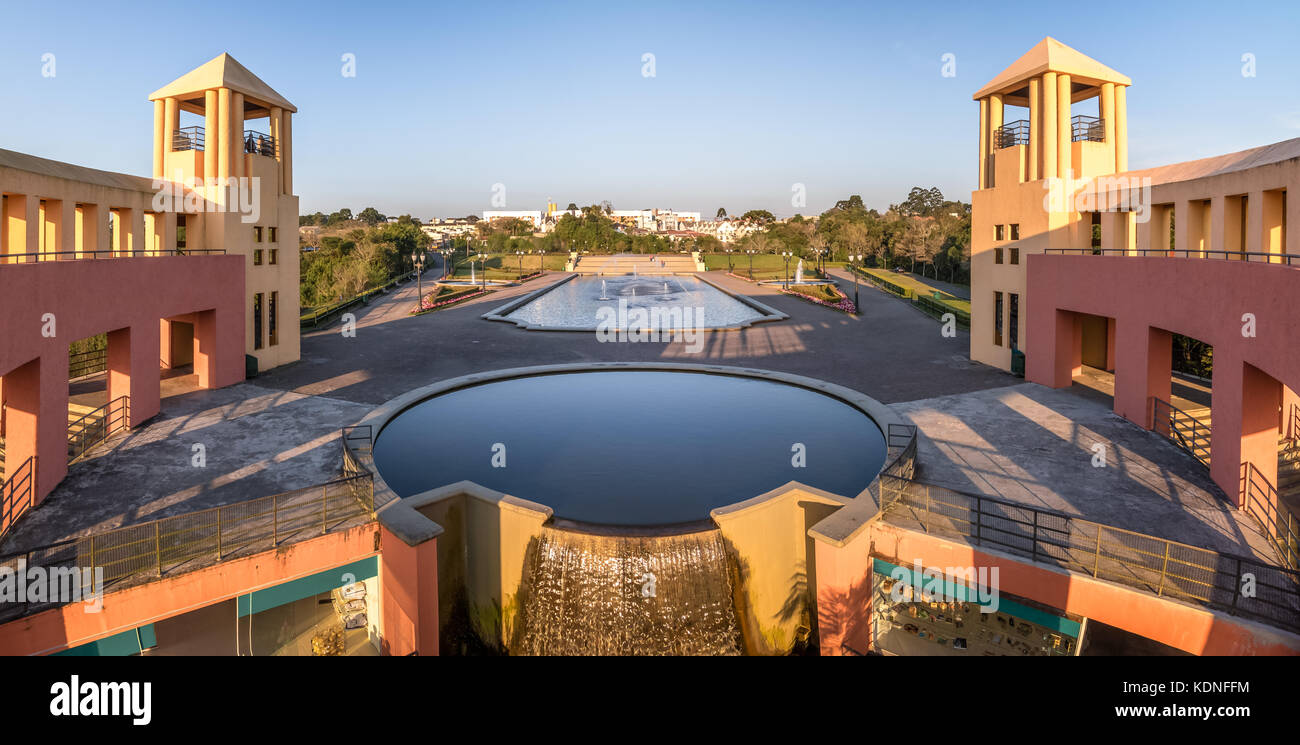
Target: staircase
84, 423
1288, 474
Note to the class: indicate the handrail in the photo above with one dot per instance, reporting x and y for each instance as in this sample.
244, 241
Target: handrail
1184, 253
259, 143
1149, 563
1084, 128
16, 494
188, 138
1278, 524
192, 540
90, 362
1193, 438
1011, 134
94, 427
36, 257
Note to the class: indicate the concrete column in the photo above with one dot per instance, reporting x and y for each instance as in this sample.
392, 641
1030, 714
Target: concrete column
1035, 137
1272, 206
1254, 218
159, 140
1064, 143
286, 147
995, 121
1121, 128
1143, 361
218, 358
17, 222
133, 370
65, 230
171, 105
1108, 120
409, 582
1048, 126
1244, 408
103, 229
276, 114
984, 143
237, 126
1216, 238
1058, 344
1291, 224
223, 143
36, 420
211, 135
139, 239
33, 226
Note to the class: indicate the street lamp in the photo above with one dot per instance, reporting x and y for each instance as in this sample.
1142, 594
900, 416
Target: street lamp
520, 254
541, 260
446, 261
751, 262
786, 255
417, 261
857, 309
482, 265
729, 267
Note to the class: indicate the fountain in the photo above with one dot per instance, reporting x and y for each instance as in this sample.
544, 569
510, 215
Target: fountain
471, 274
628, 595
798, 273
604, 295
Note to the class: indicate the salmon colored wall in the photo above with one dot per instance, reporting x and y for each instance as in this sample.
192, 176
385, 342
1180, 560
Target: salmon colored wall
70, 625
1176, 624
125, 296
409, 586
1202, 298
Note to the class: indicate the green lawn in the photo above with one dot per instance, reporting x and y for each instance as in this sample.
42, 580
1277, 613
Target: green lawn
917, 287
505, 266
766, 266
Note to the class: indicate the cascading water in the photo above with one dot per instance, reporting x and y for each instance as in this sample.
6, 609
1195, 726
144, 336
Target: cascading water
629, 595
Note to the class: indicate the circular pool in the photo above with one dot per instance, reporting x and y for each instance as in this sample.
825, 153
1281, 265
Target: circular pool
632, 448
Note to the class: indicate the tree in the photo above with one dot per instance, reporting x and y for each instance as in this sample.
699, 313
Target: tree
722, 214
370, 216
758, 216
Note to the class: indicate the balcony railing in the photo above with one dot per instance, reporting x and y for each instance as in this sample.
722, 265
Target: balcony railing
188, 138
95, 427
1259, 257
1087, 129
39, 256
259, 143
1011, 133
1159, 566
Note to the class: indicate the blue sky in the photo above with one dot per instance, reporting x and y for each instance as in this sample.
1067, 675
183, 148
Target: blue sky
549, 100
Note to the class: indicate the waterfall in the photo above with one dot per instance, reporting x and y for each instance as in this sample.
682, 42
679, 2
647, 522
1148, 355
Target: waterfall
628, 595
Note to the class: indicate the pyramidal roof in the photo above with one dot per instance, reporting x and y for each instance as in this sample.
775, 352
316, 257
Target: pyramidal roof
223, 71
1050, 55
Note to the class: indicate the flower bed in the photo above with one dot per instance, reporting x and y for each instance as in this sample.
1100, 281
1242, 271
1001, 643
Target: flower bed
431, 302
843, 304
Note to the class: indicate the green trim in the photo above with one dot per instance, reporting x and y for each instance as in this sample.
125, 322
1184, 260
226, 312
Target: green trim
321, 582
124, 644
962, 593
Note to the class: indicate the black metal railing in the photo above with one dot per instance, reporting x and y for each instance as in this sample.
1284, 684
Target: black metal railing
1157, 565
1011, 133
1278, 524
188, 138
95, 426
1259, 257
1186, 431
17, 493
1294, 433
183, 543
1087, 129
108, 253
81, 364
259, 143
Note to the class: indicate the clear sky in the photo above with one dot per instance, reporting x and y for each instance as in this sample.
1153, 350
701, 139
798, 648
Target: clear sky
747, 98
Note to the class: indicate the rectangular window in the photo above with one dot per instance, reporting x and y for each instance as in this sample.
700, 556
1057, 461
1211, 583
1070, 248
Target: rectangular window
180, 232
997, 255
271, 334
257, 321
257, 234
1015, 231
1015, 256
275, 256
271, 231
997, 318
998, 233
257, 257
1013, 323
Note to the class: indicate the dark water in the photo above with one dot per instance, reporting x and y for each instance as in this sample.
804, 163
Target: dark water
631, 448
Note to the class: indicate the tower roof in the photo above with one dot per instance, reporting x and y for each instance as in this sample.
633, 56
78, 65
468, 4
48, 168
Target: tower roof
1050, 55
223, 71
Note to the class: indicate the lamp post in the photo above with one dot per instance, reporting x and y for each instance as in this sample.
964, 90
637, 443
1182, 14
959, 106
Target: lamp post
541, 261
520, 254
446, 261
417, 261
751, 262
786, 255
729, 266
857, 309
482, 265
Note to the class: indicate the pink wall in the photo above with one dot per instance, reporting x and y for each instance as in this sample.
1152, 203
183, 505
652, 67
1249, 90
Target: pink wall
125, 297
70, 625
842, 573
409, 587
1201, 298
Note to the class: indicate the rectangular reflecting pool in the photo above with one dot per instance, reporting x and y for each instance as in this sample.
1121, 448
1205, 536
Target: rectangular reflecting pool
628, 301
